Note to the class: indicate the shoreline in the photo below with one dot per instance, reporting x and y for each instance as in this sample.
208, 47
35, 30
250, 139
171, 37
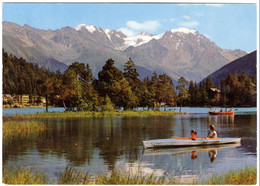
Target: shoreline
240, 176
88, 114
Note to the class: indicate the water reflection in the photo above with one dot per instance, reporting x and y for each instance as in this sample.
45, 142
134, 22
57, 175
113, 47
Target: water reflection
107, 143
227, 119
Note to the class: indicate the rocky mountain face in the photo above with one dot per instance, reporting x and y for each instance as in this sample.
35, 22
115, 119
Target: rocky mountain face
246, 64
179, 52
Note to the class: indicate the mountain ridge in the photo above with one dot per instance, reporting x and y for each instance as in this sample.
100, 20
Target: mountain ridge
246, 64
176, 52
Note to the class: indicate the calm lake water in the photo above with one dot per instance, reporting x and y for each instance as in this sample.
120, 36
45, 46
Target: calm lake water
98, 145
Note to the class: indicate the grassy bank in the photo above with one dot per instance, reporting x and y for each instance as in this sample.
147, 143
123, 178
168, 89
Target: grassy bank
93, 114
247, 176
14, 128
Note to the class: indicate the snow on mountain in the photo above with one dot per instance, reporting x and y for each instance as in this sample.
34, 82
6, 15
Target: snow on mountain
184, 30
136, 40
107, 32
140, 39
90, 28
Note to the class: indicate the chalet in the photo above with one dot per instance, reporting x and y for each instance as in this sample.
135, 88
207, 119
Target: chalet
21, 99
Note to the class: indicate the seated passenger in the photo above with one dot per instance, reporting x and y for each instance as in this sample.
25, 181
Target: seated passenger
212, 133
193, 134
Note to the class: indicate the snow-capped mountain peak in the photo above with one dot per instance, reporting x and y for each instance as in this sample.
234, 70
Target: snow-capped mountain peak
184, 30
90, 28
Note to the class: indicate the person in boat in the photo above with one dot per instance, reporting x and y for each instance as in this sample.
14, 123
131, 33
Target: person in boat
210, 109
193, 134
216, 110
212, 133
221, 110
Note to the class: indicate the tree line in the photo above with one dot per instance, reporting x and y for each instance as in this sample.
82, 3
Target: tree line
78, 89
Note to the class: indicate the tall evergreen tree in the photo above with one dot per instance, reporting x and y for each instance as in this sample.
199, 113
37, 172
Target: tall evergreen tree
111, 82
183, 92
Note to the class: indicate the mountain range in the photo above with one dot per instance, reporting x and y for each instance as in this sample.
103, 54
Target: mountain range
177, 52
245, 64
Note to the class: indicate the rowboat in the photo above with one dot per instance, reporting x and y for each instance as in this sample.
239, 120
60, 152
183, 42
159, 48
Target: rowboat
187, 150
222, 113
182, 142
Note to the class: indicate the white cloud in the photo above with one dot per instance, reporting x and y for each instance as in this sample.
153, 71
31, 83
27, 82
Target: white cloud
172, 19
186, 17
127, 31
189, 24
147, 25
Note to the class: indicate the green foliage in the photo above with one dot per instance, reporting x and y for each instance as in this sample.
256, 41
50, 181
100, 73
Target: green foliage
183, 91
111, 82
108, 106
77, 88
70, 175
20, 77
73, 176
13, 128
247, 176
23, 176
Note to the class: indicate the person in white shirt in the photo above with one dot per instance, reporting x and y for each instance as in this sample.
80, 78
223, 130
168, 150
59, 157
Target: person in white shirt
212, 133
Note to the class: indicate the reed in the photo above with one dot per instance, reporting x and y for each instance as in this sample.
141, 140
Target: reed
73, 176
82, 114
15, 128
23, 176
247, 176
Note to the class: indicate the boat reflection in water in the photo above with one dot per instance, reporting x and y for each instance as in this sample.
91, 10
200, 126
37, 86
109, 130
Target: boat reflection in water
212, 151
225, 119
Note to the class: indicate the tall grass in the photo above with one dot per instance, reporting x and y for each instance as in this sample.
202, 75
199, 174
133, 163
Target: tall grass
93, 114
14, 128
73, 176
247, 176
23, 176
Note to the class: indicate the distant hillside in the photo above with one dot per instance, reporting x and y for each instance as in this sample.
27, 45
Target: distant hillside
246, 64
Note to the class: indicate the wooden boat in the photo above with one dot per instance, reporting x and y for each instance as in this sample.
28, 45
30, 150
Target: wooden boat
222, 113
181, 142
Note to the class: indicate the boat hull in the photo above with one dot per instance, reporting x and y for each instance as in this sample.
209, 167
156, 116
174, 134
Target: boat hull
182, 142
222, 113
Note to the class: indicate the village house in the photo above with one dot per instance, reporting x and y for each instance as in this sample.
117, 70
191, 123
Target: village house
16, 100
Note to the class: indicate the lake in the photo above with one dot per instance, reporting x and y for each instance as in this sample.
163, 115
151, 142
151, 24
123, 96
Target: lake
98, 145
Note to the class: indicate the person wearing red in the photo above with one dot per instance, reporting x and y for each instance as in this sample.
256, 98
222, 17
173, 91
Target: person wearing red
193, 134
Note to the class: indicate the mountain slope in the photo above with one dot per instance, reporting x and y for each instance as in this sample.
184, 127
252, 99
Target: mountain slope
179, 52
244, 64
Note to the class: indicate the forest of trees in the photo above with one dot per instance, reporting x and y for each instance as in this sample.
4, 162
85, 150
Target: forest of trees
77, 87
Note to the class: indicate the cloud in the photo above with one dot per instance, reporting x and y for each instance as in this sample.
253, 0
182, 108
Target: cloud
186, 17
127, 31
172, 19
147, 25
189, 24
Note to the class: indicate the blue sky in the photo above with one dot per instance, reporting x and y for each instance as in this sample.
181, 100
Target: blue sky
230, 26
